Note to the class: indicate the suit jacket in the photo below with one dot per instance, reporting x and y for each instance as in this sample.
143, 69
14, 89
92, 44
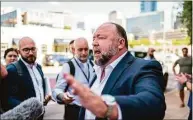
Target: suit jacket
20, 87
137, 86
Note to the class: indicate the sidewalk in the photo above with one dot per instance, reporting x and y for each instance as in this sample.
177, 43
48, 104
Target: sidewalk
173, 110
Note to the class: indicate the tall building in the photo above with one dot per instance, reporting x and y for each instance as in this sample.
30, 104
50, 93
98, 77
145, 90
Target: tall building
11, 18
117, 17
145, 23
148, 6
178, 23
141, 25
81, 25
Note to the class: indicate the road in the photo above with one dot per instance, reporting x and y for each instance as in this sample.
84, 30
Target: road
55, 111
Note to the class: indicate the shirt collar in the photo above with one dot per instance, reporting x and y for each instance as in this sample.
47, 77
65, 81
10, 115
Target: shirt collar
29, 65
113, 64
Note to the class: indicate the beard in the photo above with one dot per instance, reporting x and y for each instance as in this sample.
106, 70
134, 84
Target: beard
29, 59
106, 56
83, 59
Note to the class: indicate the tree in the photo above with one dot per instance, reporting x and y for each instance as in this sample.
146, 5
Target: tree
186, 17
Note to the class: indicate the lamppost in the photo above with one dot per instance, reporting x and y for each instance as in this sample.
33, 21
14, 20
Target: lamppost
164, 37
164, 40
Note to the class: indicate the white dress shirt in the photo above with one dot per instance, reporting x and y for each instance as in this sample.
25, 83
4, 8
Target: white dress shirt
36, 79
98, 85
61, 82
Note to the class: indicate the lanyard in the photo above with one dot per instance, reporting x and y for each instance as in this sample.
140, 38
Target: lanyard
87, 78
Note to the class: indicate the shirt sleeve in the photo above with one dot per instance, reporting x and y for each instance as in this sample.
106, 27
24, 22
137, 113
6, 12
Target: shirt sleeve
177, 61
61, 82
119, 113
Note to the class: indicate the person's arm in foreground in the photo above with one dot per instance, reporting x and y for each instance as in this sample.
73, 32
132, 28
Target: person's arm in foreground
148, 101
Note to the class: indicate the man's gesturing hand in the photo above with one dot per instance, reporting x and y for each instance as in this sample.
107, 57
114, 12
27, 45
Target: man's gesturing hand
88, 99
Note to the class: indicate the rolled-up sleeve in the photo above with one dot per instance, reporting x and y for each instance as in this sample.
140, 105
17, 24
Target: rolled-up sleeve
61, 82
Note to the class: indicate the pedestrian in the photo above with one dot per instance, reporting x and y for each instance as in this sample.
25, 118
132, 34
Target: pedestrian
187, 79
150, 54
25, 77
185, 64
126, 88
10, 55
71, 46
82, 69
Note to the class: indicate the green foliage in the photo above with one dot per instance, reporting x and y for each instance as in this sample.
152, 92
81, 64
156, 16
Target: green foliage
186, 17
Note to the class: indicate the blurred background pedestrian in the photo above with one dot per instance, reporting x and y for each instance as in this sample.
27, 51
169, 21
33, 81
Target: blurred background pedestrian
11, 55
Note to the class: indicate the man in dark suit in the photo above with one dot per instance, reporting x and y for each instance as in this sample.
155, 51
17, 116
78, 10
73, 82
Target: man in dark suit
126, 88
25, 77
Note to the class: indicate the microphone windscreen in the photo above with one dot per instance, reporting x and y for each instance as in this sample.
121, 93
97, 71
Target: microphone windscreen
29, 109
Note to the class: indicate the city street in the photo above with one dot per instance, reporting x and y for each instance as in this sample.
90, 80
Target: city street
149, 29
55, 111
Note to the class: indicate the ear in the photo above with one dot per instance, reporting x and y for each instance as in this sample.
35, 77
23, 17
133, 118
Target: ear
19, 52
73, 49
121, 43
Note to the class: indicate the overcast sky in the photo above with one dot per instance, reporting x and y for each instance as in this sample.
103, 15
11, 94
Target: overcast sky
84, 8
94, 13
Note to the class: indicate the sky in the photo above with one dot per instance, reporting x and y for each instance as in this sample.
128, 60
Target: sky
92, 11
84, 8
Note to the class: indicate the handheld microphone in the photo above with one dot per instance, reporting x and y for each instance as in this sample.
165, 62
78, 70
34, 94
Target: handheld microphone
30, 109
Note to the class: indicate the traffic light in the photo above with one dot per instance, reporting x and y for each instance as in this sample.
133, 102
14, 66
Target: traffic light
24, 18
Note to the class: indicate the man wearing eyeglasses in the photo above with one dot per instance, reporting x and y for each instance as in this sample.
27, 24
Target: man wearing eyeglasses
25, 77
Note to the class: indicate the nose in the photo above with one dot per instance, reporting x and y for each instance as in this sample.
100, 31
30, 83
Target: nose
95, 43
84, 52
30, 52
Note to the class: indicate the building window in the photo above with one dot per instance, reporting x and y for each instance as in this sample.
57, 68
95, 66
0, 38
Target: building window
60, 45
153, 5
44, 48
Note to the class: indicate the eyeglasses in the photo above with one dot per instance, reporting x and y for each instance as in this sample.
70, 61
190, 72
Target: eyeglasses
27, 50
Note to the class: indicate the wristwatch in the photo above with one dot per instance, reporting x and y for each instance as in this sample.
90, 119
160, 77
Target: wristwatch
110, 102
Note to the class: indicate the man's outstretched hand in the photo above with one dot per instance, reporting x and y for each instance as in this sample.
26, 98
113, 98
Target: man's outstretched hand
89, 100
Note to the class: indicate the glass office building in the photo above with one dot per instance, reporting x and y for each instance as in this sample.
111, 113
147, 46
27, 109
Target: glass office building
9, 19
148, 6
144, 24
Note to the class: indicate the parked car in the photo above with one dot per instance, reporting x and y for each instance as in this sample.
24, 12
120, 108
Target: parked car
142, 54
55, 60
